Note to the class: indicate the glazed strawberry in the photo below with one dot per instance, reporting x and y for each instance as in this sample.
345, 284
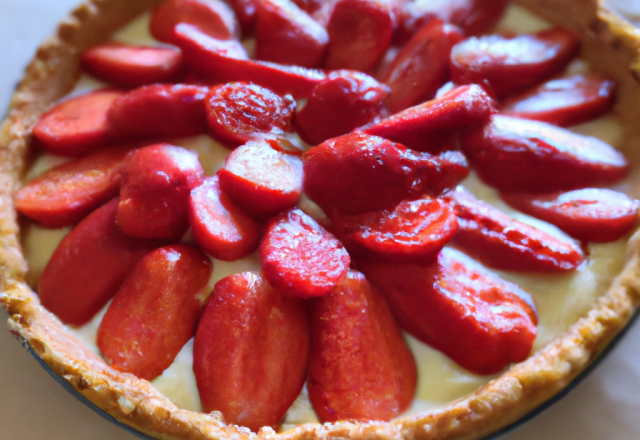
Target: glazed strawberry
473, 16
89, 265
413, 231
155, 311
239, 112
250, 352
359, 366
300, 258
564, 101
357, 173
429, 126
310, 6
221, 62
502, 242
212, 17
246, 11
88, 183
159, 110
132, 65
360, 32
286, 34
77, 126
262, 180
516, 154
219, 226
590, 214
477, 319
509, 65
422, 66
154, 195
345, 100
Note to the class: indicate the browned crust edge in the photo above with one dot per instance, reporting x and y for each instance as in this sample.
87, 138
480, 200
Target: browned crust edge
610, 44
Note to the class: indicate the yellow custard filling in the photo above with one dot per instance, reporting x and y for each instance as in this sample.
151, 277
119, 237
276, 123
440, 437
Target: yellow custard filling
561, 299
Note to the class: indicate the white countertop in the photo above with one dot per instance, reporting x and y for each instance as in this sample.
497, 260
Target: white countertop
606, 405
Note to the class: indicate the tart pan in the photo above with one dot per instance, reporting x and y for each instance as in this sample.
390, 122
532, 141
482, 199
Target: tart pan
608, 43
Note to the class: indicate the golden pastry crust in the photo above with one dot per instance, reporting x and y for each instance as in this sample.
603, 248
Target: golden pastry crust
610, 44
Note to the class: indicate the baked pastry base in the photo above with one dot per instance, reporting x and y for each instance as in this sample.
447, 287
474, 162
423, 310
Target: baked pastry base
608, 43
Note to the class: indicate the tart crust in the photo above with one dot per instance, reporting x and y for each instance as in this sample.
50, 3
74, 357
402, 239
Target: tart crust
609, 43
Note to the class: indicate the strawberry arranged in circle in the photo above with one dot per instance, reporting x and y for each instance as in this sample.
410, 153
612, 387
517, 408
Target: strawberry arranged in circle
359, 367
155, 311
250, 352
300, 258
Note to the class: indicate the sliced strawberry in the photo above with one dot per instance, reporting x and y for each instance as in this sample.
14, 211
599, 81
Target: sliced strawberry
246, 11
250, 352
590, 214
89, 265
239, 112
428, 126
221, 62
359, 366
413, 231
77, 126
473, 16
345, 100
132, 65
155, 311
310, 6
477, 319
509, 65
212, 17
154, 196
357, 173
262, 180
564, 101
502, 242
360, 32
286, 34
219, 226
300, 258
516, 154
422, 66
67, 193
159, 110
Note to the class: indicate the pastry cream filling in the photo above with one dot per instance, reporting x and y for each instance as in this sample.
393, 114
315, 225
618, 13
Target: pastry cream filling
561, 299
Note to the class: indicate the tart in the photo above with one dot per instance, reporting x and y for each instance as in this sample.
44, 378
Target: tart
608, 42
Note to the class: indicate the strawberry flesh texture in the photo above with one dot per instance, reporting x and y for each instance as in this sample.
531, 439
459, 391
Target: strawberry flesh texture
360, 32
260, 179
159, 110
502, 242
413, 231
454, 305
250, 352
300, 258
421, 66
67, 193
429, 126
473, 16
212, 17
240, 112
78, 126
89, 265
357, 173
514, 154
132, 66
359, 366
590, 214
564, 101
345, 100
286, 34
155, 311
219, 62
154, 195
220, 227
509, 65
